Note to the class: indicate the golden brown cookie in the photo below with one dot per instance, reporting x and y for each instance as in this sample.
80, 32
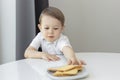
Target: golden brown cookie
66, 73
66, 70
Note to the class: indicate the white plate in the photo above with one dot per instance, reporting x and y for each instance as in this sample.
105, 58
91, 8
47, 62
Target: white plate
81, 74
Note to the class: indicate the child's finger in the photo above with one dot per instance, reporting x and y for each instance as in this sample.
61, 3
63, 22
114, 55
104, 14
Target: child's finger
46, 58
69, 62
54, 58
82, 62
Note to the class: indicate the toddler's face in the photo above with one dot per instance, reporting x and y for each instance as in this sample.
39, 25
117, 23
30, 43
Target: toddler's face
51, 28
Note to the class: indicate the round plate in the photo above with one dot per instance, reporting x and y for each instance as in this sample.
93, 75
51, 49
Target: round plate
81, 74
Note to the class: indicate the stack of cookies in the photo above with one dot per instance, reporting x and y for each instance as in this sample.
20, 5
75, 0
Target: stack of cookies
66, 70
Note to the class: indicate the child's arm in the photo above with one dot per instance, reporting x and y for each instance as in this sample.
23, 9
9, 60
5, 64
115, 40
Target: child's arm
71, 57
31, 52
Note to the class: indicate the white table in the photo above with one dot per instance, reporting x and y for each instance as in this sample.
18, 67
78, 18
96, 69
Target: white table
101, 66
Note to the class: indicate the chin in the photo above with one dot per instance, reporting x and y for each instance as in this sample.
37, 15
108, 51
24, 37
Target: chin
50, 40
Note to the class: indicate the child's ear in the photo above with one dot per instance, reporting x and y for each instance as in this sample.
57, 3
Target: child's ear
39, 26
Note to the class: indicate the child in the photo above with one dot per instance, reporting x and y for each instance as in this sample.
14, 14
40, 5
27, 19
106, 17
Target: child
51, 39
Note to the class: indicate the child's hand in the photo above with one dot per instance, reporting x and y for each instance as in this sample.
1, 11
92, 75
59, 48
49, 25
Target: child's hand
74, 61
50, 57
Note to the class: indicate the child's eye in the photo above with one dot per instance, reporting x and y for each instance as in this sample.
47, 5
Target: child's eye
55, 28
47, 28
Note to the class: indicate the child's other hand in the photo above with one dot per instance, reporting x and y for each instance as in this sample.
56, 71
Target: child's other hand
50, 57
74, 61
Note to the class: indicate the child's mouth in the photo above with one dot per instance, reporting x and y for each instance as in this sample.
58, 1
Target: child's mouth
51, 36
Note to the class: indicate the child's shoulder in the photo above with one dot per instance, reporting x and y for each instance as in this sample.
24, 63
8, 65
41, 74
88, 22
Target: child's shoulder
63, 37
39, 35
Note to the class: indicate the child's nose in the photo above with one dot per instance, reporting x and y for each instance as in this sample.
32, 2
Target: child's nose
51, 31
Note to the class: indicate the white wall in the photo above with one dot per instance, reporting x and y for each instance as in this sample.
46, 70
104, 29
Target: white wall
17, 28
7, 30
92, 25
0, 34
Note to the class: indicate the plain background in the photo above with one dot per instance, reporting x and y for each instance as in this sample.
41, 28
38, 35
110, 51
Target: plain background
92, 25
7, 30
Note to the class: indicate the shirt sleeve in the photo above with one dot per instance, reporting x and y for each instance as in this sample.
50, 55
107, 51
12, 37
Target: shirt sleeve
36, 41
64, 41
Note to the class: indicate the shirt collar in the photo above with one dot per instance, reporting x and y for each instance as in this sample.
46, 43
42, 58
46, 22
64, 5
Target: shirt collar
48, 43
55, 42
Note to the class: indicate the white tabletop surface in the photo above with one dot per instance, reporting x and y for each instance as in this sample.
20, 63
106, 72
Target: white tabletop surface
101, 66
